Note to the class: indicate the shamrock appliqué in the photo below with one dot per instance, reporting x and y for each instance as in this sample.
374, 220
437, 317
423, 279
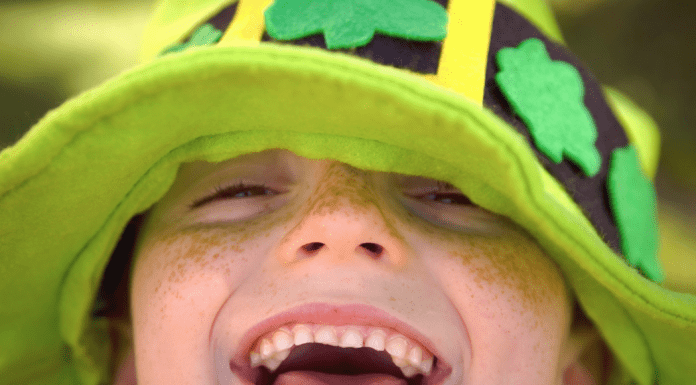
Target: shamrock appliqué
633, 200
353, 23
204, 35
548, 96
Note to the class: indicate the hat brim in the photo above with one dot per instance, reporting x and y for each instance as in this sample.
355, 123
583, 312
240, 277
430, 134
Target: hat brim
70, 186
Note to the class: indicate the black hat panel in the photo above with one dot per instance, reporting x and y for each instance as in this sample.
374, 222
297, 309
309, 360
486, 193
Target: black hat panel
510, 29
417, 56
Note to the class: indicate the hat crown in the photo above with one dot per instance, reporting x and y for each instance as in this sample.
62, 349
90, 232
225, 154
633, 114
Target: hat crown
173, 19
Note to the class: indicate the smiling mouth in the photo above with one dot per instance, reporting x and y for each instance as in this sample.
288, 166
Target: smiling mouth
309, 350
293, 349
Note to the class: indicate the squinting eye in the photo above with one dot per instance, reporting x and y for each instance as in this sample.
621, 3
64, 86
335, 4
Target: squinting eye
237, 191
447, 198
444, 193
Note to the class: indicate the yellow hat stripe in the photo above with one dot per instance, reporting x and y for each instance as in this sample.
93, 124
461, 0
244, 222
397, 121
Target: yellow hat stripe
248, 22
464, 55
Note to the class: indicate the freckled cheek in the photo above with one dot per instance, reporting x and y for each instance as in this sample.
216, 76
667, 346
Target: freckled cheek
179, 286
511, 298
504, 285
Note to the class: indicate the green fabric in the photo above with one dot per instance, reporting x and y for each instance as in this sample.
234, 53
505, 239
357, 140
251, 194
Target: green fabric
312, 103
204, 35
548, 96
353, 23
634, 205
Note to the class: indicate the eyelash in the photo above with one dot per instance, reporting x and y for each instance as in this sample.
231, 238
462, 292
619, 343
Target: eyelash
232, 192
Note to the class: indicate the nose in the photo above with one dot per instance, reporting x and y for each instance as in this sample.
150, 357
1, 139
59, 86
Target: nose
344, 220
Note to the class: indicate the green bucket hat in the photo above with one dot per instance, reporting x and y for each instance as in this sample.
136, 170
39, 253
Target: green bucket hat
481, 94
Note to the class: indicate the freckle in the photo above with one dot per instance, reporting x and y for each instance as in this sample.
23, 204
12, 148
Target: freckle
514, 263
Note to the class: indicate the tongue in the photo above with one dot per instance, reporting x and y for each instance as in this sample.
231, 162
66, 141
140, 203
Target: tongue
300, 377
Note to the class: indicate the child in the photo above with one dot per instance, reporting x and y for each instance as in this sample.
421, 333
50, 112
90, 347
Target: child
391, 192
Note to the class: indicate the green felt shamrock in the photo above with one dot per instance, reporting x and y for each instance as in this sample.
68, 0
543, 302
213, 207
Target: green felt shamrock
353, 23
548, 96
632, 200
204, 35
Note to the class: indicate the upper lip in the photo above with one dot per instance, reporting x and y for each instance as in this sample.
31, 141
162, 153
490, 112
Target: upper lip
338, 315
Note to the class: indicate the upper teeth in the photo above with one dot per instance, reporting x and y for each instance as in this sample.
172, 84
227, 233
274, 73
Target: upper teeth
407, 354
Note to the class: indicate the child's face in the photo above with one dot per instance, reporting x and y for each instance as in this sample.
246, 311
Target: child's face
219, 266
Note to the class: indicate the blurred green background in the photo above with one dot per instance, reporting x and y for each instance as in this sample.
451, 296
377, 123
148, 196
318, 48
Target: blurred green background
53, 49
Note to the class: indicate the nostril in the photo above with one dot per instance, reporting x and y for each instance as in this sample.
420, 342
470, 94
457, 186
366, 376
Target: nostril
374, 249
312, 247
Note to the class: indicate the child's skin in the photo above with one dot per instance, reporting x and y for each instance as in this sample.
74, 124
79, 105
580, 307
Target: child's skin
207, 270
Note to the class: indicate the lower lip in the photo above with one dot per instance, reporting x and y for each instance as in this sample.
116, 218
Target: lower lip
337, 315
